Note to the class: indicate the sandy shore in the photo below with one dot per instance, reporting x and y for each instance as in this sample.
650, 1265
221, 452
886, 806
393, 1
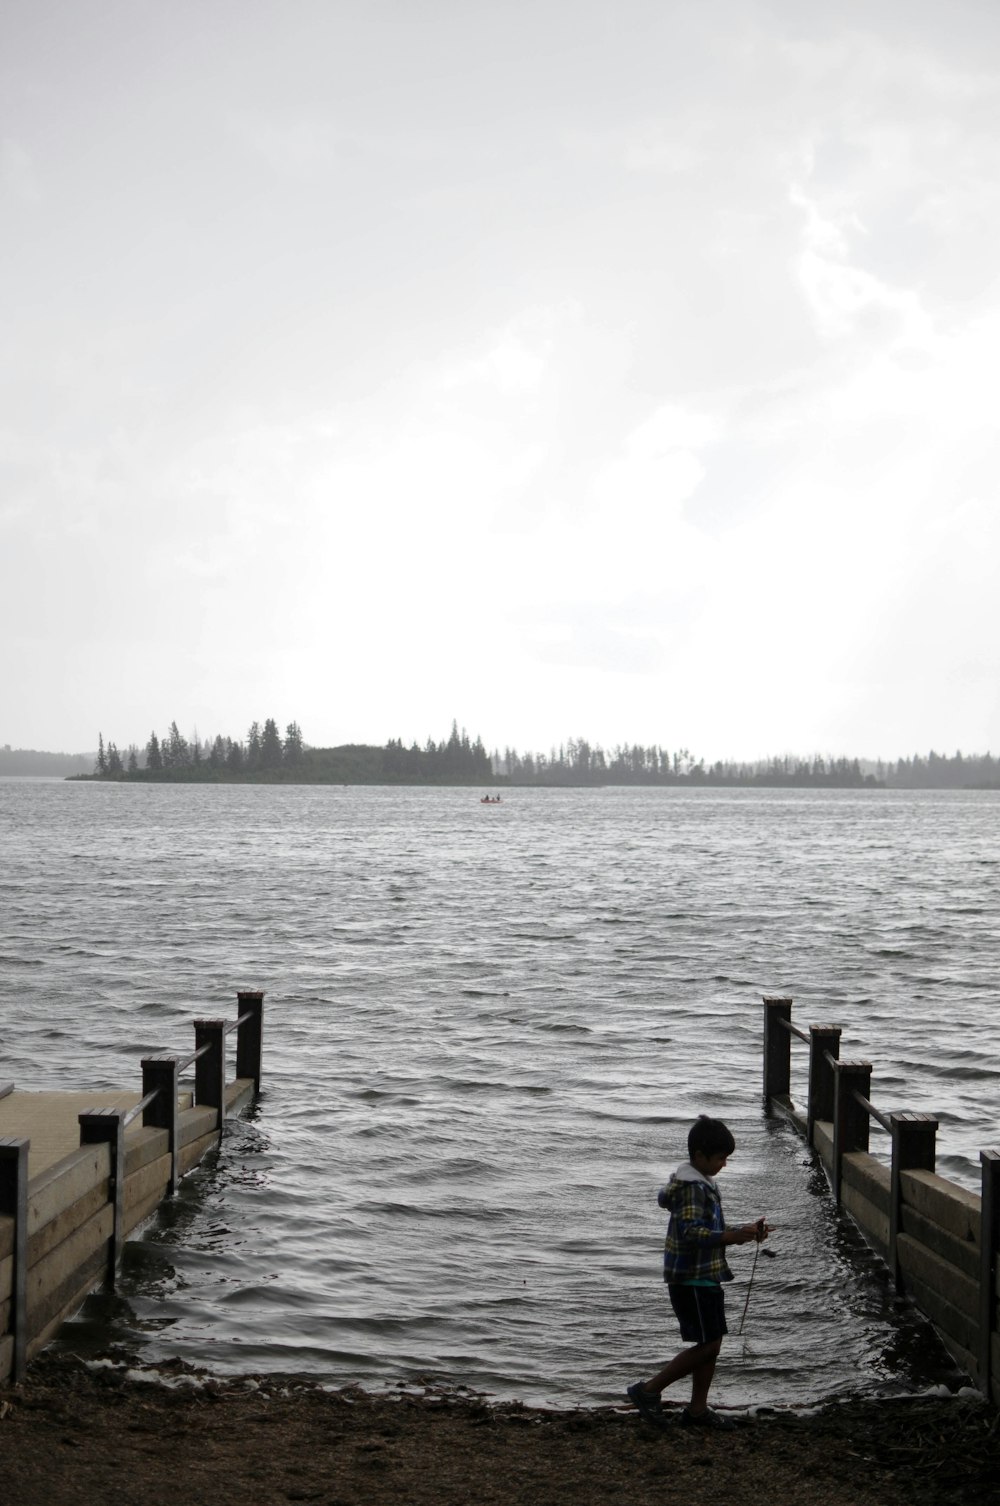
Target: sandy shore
74, 1433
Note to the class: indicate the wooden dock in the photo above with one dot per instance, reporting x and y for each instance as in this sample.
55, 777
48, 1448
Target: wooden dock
81, 1171
940, 1243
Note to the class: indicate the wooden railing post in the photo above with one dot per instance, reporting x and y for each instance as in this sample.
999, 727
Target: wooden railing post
822, 1038
850, 1120
107, 1127
914, 1148
250, 1036
210, 1069
777, 1048
159, 1073
14, 1204
989, 1240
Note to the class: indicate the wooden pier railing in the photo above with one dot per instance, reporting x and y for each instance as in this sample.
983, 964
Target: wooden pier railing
938, 1240
62, 1228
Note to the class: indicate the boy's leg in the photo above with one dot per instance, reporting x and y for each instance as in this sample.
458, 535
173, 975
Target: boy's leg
701, 1313
698, 1362
701, 1380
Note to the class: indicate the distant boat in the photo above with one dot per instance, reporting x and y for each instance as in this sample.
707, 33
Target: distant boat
490, 800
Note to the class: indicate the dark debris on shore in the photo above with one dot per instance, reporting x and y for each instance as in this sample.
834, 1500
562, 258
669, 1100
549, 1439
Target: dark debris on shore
122, 1433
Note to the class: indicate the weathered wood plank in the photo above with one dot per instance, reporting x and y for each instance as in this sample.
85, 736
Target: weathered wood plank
64, 1301
64, 1183
955, 1210
872, 1221
142, 1185
871, 1178
239, 1094
138, 1215
192, 1153
928, 1278
143, 1143
6, 1355
49, 1274
957, 1252
823, 1142
6, 1276
195, 1123
954, 1328
52, 1234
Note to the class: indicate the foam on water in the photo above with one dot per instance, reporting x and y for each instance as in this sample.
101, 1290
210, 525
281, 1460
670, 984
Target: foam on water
485, 1036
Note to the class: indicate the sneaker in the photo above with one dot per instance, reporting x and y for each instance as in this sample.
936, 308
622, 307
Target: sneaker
707, 1419
647, 1403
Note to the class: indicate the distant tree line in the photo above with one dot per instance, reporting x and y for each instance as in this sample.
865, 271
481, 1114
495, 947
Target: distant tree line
263, 754
939, 772
578, 763
455, 761
33, 763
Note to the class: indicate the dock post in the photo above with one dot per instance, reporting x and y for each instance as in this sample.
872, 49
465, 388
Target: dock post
822, 1039
250, 1036
989, 1239
159, 1074
914, 1148
777, 1048
210, 1069
107, 1127
14, 1204
850, 1120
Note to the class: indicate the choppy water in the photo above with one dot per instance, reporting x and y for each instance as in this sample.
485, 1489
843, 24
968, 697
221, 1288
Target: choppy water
487, 1029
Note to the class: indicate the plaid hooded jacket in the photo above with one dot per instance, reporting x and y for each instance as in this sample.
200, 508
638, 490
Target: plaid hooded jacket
694, 1249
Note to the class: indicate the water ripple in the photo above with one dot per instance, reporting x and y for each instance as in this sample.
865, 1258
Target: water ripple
483, 1046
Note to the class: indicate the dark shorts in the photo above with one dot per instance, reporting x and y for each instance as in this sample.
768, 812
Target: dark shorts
701, 1312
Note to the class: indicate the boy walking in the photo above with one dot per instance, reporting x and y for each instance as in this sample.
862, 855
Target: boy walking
694, 1268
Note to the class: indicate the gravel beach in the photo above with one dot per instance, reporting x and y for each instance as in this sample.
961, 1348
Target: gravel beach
84, 1433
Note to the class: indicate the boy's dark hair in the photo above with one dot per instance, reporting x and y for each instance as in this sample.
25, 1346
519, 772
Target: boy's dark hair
711, 1137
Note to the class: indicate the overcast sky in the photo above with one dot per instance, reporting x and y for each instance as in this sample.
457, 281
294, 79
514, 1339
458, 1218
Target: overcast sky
622, 370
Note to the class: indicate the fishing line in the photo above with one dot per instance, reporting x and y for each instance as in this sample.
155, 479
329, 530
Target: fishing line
753, 1272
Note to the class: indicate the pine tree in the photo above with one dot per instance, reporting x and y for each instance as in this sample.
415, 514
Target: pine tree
179, 749
270, 745
294, 746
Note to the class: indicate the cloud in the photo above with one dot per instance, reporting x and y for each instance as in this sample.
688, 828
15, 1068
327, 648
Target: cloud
596, 645
656, 378
18, 174
296, 146
516, 356
846, 299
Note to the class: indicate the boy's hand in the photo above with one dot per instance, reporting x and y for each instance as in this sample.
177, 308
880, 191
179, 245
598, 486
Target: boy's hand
749, 1232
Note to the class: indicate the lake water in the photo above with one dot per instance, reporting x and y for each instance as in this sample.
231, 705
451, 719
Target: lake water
487, 1029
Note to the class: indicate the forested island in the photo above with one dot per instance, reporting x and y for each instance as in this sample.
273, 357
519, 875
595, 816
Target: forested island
266, 755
